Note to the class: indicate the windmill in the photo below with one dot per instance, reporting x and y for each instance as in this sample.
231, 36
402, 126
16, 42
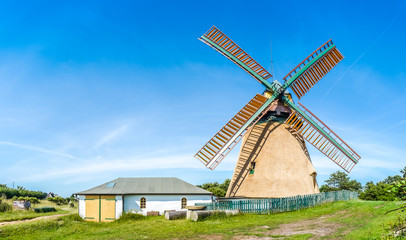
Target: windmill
273, 160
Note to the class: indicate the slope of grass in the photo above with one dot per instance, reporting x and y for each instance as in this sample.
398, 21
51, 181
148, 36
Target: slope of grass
353, 220
23, 214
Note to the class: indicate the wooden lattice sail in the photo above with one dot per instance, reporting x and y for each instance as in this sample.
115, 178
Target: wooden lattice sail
224, 140
335, 149
313, 68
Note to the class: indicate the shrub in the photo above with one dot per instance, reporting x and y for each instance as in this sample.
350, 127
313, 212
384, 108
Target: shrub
73, 217
20, 192
33, 200
5, 207
44, 209
130, 217
58, 200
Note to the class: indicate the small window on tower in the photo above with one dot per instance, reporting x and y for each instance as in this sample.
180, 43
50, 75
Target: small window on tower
143, 203
252, 169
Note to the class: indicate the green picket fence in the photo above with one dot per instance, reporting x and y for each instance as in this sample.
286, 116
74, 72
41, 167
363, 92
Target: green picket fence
274, 205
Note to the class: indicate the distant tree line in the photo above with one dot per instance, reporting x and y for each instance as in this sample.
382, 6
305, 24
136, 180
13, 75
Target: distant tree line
390, 189
20, 192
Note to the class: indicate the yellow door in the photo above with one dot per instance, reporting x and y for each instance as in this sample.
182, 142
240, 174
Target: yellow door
108, 208
92, 208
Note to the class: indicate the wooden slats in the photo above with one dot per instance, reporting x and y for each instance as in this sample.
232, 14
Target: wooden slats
320, 141
213, 147
316, 72
229, 46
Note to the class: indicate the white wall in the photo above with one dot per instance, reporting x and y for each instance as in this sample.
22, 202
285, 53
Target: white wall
119, 206
82, 205
161, 202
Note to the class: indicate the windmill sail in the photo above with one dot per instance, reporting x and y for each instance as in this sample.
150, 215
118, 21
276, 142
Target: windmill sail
302, 78
322, 137
218, 147
223, 44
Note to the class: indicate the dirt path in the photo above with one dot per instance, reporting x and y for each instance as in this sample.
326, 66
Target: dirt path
318, 227
33, 219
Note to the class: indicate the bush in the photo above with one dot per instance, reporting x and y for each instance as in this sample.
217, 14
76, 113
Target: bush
130, 217
5, 207
32, 200
73, 217
20, 192
58, 200
44, 209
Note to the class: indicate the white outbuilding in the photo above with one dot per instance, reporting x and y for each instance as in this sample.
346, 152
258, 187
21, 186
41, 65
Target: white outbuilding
139, 195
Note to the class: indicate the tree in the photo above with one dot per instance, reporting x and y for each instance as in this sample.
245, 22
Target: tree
340, 181
219, 190
392, 179
379, 192
403, 171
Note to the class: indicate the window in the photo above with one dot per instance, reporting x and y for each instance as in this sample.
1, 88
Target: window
110, 184
143, 203
184, 202
252, 169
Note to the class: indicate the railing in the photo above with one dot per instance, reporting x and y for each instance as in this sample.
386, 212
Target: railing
275, 205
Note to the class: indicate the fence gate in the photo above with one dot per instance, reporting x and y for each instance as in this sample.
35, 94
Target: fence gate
100, 208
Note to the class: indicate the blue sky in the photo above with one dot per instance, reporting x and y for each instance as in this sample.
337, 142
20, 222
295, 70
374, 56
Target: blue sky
91, 91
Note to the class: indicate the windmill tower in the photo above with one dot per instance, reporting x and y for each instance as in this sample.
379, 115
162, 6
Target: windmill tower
273, 160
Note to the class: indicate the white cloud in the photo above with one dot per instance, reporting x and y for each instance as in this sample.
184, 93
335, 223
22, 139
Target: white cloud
37, 149
97, 167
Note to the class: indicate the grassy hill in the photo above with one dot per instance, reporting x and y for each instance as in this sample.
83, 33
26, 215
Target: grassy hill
340, 220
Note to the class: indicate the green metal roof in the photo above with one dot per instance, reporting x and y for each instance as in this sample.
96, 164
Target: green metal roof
151, 185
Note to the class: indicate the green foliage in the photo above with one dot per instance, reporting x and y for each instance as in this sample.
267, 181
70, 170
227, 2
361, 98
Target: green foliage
5, 207
214, 216
403, 171
397, 228
340, 181
44, 209
130, 217
58, 200
378, 192
20, 192
392, 179
217, 189
73, 217
390, 189
33, 200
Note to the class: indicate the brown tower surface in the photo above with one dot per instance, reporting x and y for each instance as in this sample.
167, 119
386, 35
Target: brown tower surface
273, 163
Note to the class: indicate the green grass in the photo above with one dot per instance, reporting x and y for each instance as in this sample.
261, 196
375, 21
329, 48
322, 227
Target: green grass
353, 220
23, 214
